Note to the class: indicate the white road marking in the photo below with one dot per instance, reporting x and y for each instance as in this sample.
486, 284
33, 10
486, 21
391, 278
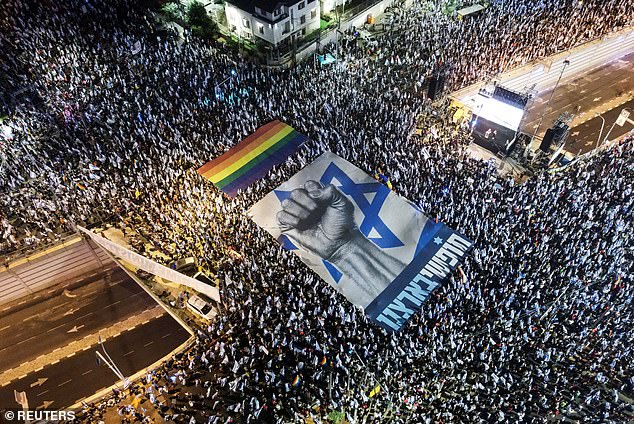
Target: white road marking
39, 381
68, 293
166, 336
55, 328
112, 304
45, 404
25, 340
83, 316
40, 394
149, 343
65, 382
76, 319
70, 312
129, 353
76, 328
88, 372
4, 328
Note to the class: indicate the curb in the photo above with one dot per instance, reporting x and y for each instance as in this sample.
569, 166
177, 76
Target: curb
149, 292
103, 392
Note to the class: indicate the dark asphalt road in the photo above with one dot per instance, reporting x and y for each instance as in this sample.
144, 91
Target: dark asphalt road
107, 298
79, 376
582, 94
583, 138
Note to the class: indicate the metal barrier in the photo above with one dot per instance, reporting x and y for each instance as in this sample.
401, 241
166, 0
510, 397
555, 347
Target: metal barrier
25, 252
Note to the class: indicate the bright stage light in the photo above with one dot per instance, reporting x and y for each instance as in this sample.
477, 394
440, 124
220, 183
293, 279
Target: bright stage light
499, 112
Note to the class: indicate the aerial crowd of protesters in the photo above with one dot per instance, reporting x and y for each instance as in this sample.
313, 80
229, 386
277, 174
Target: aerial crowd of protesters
110, 116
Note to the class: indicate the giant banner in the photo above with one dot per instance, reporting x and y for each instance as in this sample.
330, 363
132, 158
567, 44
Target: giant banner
251, 159
152, 267
370, 244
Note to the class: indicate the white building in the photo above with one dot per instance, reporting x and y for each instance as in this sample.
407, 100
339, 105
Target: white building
275, 21
328, 6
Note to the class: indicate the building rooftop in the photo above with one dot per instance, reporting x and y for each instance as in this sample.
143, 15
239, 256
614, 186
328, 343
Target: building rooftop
266, 5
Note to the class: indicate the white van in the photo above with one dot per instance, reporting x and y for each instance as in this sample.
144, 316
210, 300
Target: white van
204, 278
202, 306
368, 39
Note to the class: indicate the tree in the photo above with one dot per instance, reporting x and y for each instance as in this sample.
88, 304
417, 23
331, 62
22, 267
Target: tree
173, 10
197, 14
200, 21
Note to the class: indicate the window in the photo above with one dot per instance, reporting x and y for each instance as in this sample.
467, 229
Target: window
310, 1
277, 12
301, 6
302, 20
246, 23
287, 27
304, 31
261, 29
313, 14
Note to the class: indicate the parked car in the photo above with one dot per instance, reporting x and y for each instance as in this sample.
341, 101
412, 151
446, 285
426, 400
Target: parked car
369, 40
204, 278
202, 306
185, 265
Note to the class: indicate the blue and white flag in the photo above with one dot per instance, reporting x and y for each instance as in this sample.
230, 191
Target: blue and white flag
373, 246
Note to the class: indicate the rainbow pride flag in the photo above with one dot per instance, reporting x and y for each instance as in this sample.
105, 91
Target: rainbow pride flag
296, 380
253, 157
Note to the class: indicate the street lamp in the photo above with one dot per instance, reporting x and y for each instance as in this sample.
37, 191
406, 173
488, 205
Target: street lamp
547, 107
600, 132
338, 29
110, 363
620, 120
20, 397
233, 74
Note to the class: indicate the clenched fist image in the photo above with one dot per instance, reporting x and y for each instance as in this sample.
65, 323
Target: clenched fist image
320, 220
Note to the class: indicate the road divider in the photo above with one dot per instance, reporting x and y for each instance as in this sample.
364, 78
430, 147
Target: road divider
78, 345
